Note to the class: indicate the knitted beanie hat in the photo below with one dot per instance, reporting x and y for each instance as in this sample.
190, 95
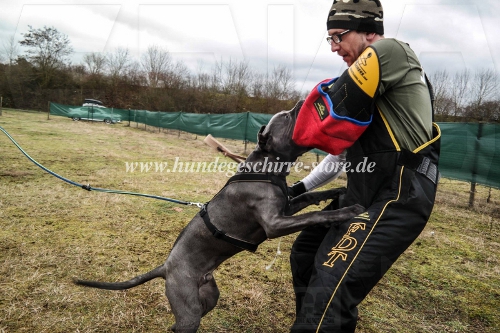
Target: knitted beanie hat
361, 15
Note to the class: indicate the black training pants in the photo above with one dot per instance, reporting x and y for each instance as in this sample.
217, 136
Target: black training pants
334, 269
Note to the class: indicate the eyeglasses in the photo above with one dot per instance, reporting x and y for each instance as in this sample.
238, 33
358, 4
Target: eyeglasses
337, 38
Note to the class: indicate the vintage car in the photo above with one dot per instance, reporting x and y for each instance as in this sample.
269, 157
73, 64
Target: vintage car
94, 110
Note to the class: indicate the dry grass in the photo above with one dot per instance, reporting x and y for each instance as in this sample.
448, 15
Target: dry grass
448, 281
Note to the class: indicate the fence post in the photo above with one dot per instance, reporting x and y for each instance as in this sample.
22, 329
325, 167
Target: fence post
128, 117
474, 167
48, 112
472, 194
179, 133
1, 101
246, 132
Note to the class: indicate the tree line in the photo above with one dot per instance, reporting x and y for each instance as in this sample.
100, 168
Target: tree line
466, 96
38, 69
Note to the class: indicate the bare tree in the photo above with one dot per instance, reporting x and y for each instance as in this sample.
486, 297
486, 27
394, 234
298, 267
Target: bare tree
156, 62
118, 62
13, 76
10, 50
258, 85
216, 77
495, 111
48, 50
486, 111
459, 93
235, 77
280, 84
134, 74
176, 77
95, 63
78, 73
441, 83
484, 86
202, 81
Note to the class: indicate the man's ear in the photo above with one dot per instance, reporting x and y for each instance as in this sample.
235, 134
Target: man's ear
261, 137
370, 36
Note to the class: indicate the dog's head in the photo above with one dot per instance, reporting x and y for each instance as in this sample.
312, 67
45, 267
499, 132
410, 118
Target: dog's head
276, 137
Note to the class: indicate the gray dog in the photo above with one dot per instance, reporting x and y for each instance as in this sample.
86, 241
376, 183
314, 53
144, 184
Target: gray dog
252, 207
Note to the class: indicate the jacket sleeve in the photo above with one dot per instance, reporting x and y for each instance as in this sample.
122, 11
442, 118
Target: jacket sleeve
338, 111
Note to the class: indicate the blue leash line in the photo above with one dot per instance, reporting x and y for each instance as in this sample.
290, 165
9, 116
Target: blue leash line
89, 188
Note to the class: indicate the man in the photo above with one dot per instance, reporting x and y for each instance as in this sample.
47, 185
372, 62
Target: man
377, 113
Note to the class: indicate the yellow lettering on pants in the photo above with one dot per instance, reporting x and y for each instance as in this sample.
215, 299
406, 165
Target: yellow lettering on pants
346, 244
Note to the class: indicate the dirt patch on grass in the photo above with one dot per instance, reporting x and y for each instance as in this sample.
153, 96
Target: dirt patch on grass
15, 173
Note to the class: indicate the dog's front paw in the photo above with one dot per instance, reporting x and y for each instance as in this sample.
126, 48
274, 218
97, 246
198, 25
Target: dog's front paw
335, 192
328, 195
345, 214
358, 209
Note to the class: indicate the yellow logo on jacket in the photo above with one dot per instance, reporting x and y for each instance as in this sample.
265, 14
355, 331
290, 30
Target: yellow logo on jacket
321, 110
365, 72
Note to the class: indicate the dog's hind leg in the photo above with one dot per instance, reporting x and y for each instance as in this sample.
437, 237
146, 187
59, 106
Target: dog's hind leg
183, 295
209, 293
189, 302
185, 303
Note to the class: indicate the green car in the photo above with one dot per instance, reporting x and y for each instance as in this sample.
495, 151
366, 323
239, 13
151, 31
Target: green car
93, 110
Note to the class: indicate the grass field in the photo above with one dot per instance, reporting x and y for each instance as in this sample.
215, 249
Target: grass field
51, 232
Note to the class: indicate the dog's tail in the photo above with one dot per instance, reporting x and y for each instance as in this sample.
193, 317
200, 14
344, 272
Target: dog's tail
140, 279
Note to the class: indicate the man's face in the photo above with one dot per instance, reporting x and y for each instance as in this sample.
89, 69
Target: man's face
352, 45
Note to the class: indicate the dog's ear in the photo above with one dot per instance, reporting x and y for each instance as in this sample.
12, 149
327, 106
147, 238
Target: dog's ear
262, 128
261, 137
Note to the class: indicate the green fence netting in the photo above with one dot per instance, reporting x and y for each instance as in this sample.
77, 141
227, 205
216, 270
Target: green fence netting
468, 151
238, 126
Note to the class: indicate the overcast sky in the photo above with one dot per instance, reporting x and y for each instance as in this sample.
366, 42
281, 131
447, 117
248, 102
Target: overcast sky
445, 34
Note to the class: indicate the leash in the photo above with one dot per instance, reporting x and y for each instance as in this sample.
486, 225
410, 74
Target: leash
90, 188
